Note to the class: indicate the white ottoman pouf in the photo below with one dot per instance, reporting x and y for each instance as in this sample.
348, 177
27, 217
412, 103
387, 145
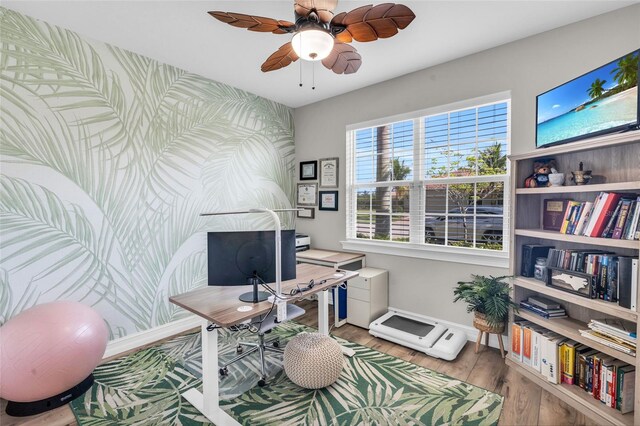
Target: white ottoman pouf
313, 360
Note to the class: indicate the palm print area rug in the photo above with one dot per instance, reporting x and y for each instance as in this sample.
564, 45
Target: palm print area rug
374, 388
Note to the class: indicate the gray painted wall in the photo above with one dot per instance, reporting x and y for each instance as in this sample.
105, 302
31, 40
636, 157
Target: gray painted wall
526, 67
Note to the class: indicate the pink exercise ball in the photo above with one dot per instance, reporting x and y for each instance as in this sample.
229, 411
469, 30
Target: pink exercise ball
49, 348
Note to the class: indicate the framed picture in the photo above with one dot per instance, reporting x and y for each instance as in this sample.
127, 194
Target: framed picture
571, 281
329, 172
328, 200
306, 213
308, 170
307, 194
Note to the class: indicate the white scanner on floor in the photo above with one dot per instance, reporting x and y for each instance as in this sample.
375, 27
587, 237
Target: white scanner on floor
417, 333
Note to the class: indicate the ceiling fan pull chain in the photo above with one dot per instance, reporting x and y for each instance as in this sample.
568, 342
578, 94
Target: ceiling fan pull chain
300, 73
313, 76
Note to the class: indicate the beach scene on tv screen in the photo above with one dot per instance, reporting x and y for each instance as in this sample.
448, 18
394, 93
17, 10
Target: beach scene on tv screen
602, 99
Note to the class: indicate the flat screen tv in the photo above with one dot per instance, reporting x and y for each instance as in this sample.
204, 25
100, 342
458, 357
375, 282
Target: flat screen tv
602, 101
248, 258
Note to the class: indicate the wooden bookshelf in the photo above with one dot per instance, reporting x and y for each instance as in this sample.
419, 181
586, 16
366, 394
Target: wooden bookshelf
614, 162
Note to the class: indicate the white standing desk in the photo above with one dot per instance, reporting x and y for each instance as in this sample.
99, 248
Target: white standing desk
219, 305
335, 260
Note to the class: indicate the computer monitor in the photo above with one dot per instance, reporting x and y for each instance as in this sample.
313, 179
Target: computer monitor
248, 258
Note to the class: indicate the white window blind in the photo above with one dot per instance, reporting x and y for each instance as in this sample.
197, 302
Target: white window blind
432, 180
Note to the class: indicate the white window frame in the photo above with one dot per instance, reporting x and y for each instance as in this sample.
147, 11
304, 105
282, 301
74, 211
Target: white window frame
416, 247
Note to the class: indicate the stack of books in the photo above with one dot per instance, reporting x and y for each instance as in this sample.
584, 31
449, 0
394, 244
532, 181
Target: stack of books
614, 333
610, 215
544, 307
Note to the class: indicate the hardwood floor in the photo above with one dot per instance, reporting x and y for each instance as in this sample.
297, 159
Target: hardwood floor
525, 403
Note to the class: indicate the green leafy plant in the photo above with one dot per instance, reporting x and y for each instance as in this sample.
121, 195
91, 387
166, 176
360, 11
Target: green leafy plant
488, 296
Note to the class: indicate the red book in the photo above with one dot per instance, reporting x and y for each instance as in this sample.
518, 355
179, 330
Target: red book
608, 207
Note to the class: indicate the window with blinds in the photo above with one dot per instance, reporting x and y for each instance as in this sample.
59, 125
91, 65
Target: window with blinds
436, 179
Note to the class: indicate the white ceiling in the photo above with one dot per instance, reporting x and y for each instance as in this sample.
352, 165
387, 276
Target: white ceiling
181, 33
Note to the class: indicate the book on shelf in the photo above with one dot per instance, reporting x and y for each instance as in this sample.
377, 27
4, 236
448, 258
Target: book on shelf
527, 343
553, 213
607, 366
545, 313
632, 221
609, 341
567, 361
569, 218
543, 302
536, 342
583, 356
595, 213
549, 354
607, 232
621, 220
625, 388
614, 326
609, 203
584, 217
516, 341
627, 281
612, 374
634, 217
634, 283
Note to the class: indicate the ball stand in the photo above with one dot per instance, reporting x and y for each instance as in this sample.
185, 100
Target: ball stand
23, 409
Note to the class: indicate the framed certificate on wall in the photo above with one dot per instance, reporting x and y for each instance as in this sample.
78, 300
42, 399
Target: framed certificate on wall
307, 194
328, 200
328, 172
308, 170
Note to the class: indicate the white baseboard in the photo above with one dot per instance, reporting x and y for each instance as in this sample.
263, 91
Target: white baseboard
132, 341
471, 332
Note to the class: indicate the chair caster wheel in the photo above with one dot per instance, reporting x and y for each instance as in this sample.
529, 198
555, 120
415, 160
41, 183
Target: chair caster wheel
239, 349
276, 344
262, 382
223, 371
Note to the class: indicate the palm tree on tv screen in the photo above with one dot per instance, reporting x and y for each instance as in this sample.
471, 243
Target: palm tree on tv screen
597, 88
626, 73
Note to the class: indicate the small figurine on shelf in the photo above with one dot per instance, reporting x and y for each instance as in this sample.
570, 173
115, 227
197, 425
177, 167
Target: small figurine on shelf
581, 177
542, 167
556, 178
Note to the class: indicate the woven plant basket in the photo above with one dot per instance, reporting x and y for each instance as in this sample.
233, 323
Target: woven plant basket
480, 322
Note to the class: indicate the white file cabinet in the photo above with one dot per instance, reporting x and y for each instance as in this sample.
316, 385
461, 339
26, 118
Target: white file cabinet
367, 296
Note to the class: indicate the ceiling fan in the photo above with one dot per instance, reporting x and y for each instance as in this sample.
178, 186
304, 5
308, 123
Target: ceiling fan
319, 35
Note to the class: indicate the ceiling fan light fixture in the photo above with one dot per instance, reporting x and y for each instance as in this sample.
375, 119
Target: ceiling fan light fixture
313, 44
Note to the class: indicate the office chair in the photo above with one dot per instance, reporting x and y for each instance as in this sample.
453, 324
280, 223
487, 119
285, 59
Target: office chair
266, 324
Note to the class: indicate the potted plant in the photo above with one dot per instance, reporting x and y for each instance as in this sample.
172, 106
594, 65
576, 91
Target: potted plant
488, 297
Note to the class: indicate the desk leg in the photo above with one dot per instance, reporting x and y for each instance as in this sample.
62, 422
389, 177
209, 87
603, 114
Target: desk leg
323, 318
323, 312
337, 322
208, 401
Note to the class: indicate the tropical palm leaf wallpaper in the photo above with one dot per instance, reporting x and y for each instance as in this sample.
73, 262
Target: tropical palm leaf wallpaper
107, 159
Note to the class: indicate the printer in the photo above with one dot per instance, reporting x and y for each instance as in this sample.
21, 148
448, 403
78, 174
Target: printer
303, 242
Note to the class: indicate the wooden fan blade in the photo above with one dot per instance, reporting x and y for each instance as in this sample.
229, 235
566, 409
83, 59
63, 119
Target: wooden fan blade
324, 8
253, 23
369, 23
343, 59
280, 58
